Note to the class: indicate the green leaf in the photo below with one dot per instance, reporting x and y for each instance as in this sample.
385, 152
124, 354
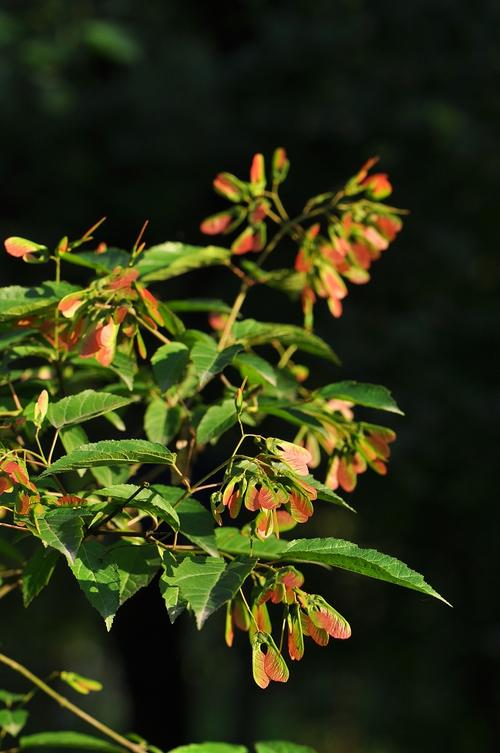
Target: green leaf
98, 578
62, 529
112, 452
161, 423
326, 494
208, 361
9, 337
349, 556
207, 583
169, 364
88, 404
256, 369
252, 332
361, 393
174, 602
172, 259
232, 541
210, 748
280, 746
197, 525
137, 565
151, 500
12, 721
16, 301
9, 698
68, 741
286, 280
125, 367
217, 420
9, 552
37, 573
213, 305
101, 263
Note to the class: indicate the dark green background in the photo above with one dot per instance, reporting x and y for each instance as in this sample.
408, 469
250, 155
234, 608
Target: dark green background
128, 109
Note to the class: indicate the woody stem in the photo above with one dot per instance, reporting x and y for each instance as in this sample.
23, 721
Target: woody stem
68, 705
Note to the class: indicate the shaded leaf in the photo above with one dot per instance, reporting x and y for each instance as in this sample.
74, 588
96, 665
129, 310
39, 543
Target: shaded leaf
252, 332
161, 423
172, 259
213, 305
98, 578
349, 556
169, 364
362, 393
280, 746
210, 748
68, 741
232, 541
102, 263
217, 420
208, 361
37, 573
197, 525
256, 369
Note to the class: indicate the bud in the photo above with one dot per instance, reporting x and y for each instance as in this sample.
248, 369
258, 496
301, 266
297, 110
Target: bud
230, 187
281, 165
81, 684
41, 407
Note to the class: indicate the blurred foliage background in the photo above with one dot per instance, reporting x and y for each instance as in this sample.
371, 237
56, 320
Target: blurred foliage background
129, 109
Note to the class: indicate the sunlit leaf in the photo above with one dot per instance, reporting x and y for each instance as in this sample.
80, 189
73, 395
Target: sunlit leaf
112, 452
88, 404
171, 259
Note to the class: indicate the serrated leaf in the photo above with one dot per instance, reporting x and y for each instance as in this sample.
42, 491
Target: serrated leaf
174, 602
362, 393
197, 525
137, 565
217, 420
348, 556
88, 404
98, 578
12, 721
208, 361
68, 741
16, 301
169, 364
154, 500
207, 583
173, 259
62, 529
37, 573
232, 541
161, 423
252, 332
256, 369
112, 452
